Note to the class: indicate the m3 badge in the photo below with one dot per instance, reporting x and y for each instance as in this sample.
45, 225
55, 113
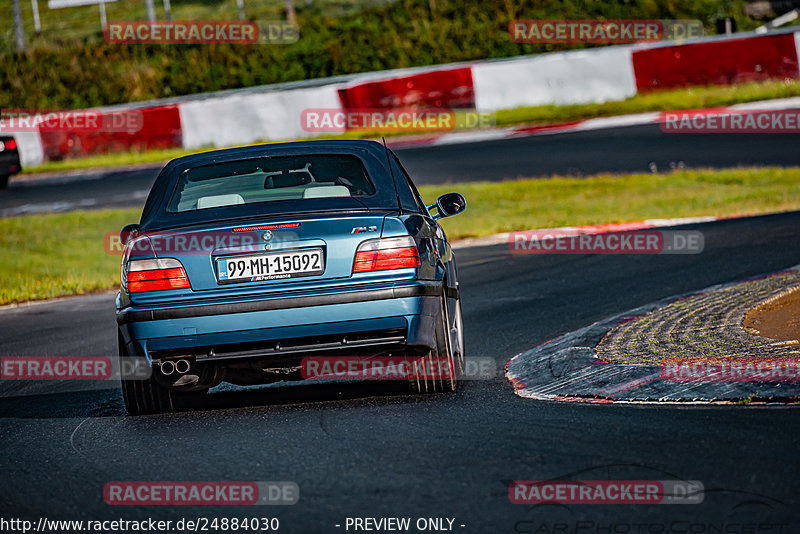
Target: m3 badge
363, 229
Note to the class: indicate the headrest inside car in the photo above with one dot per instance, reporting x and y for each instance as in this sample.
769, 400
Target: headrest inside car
324, 191
217, 201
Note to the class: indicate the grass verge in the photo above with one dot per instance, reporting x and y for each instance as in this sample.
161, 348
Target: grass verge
495, 207
39, 262
57, 254
691, 98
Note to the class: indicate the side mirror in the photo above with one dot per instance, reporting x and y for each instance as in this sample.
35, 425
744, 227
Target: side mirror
128, 232
448, 205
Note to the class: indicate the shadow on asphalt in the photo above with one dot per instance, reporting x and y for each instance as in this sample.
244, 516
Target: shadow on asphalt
108, 402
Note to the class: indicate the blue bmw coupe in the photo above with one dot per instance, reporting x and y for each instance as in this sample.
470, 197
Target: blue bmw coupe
248, 260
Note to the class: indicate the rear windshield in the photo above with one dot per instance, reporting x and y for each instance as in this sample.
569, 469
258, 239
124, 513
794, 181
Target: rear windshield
267, 179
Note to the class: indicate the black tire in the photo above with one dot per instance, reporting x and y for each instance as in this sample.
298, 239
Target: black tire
143, 397
448, 370
441, 360
458, 348
3, 181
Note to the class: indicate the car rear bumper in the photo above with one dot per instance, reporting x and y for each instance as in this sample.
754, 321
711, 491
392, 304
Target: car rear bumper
9, 163
400, 313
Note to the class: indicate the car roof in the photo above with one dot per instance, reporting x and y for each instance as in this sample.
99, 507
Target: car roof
276, 149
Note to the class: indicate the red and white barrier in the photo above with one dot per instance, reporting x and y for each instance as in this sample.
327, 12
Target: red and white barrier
440, 88
29, 146
246, 118
721, 62
138, 128
151, 128
582, 76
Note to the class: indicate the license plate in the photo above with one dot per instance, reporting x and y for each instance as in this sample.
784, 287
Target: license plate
271, 266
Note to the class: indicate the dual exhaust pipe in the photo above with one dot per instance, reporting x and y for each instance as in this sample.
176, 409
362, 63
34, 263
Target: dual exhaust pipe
180, 367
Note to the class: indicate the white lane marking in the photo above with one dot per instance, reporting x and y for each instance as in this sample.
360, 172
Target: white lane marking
81, 175
473, 136
26, 182
620, 121
64, 205
498, 239
46, 207
141, 194
780, 103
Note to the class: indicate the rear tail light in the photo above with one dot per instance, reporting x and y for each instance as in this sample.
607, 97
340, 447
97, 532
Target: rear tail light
154, 275
385, 254
11, 144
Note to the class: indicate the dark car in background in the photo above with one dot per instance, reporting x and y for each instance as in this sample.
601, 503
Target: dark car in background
9, 159
247, 260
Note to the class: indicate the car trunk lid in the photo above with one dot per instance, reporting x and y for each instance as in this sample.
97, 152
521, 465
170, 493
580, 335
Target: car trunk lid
265, 253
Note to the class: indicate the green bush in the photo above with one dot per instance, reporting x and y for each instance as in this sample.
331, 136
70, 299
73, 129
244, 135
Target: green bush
82, 70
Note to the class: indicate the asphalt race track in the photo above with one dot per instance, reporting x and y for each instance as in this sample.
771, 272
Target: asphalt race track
629, 149
360, 451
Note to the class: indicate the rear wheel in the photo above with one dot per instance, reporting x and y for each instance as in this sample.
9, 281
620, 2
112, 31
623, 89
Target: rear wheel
458, 344
143, 396
437, 370
3, 181
446, 366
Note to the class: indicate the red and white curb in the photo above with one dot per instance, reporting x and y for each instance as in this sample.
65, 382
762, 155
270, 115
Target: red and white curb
589, 229
601, 123
567, 368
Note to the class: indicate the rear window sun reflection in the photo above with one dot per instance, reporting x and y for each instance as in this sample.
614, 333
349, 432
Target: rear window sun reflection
271, 179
